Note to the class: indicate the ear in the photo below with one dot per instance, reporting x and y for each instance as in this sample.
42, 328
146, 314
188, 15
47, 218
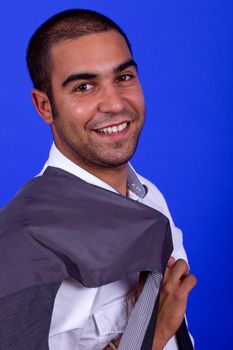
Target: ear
43, 106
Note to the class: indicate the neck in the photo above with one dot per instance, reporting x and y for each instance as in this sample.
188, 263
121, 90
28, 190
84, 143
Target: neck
114, 177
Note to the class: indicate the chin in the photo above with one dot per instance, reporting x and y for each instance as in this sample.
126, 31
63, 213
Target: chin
114, 165
115, 162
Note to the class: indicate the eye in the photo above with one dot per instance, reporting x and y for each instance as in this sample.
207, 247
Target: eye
125, 77
83, 87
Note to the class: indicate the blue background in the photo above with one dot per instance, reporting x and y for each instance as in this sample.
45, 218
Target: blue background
185, 54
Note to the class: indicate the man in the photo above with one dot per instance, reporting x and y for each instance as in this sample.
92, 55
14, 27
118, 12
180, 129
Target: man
86, 87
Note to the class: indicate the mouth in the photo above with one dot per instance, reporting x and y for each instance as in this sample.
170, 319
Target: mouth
113, 129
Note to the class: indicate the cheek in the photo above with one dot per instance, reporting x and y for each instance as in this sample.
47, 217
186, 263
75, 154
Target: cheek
79, 111
140, 93
136, 98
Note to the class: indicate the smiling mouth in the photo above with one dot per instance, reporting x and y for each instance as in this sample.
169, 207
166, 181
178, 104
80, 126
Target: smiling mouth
114, 129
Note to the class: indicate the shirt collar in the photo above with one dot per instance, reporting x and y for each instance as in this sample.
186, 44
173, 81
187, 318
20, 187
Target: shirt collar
134, 184
58, 160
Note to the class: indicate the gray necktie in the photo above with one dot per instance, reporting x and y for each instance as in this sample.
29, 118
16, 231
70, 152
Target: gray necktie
133, 336
139, 332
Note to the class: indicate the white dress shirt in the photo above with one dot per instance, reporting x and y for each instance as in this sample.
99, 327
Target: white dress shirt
89, 318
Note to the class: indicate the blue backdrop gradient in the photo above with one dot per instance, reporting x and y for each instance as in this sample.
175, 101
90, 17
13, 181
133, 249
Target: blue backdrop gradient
184, 50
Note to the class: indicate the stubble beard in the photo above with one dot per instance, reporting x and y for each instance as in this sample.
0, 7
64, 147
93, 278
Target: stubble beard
94, 155
100, 157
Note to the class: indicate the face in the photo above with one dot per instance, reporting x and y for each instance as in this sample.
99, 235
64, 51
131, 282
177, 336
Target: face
98, 99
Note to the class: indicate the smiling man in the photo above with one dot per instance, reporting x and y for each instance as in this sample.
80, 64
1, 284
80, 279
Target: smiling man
98, 107
93, 232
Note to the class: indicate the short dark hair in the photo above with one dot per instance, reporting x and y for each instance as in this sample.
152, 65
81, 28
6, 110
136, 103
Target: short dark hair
69, 24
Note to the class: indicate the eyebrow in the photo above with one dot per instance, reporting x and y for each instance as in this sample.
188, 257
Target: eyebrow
125, 65
88, 76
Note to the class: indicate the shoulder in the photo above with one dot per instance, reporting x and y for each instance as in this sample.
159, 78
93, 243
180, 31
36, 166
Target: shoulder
155, 199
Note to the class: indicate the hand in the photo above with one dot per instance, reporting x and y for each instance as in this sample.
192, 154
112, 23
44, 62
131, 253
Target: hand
176, 286
116, 342
175, 290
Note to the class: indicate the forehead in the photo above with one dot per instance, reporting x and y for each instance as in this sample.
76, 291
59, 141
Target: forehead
97, 52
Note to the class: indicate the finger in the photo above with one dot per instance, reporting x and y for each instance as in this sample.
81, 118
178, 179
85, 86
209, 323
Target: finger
175, 273
187, 284
171, 261
180, 269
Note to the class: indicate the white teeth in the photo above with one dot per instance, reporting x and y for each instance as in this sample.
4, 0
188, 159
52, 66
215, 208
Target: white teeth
113, 129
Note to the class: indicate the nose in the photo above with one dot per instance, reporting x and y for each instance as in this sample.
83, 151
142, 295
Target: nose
111, 100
